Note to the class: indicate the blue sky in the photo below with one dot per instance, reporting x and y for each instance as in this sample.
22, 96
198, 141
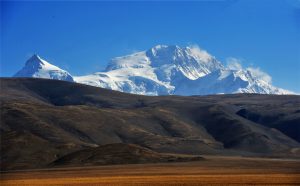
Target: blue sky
81, 37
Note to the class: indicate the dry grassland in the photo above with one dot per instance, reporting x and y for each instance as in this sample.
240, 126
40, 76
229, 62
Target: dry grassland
213, 171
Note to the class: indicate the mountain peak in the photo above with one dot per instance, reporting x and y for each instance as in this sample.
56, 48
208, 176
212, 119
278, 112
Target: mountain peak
35, 56
37, 67
35, 61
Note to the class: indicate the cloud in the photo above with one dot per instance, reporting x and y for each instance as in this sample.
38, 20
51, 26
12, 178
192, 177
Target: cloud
196, 48
258, 73
200, 53
234, 63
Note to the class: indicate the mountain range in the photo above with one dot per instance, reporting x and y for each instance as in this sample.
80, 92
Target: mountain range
161, 70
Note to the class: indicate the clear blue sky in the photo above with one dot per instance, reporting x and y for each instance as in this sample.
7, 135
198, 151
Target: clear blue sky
82, 36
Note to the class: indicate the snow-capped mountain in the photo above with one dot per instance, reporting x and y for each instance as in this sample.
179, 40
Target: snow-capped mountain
165, 70
157, 71
39, 68
226, 81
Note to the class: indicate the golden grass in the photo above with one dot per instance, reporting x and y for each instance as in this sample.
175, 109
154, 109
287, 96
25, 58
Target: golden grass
249, 179
215, 171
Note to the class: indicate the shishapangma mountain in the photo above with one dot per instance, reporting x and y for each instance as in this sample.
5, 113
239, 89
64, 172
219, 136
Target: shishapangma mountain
163, 70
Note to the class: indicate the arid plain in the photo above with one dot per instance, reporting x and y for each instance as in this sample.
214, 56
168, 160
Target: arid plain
213, 170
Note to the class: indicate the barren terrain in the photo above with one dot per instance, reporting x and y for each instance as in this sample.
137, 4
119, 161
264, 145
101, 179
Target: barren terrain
62, 133
46, 123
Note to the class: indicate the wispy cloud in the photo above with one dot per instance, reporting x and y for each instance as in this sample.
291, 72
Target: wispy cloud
257, 72
236, 64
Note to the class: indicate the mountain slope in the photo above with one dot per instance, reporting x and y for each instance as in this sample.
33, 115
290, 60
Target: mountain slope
118, 153
38, 68
43, 120
227, 81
